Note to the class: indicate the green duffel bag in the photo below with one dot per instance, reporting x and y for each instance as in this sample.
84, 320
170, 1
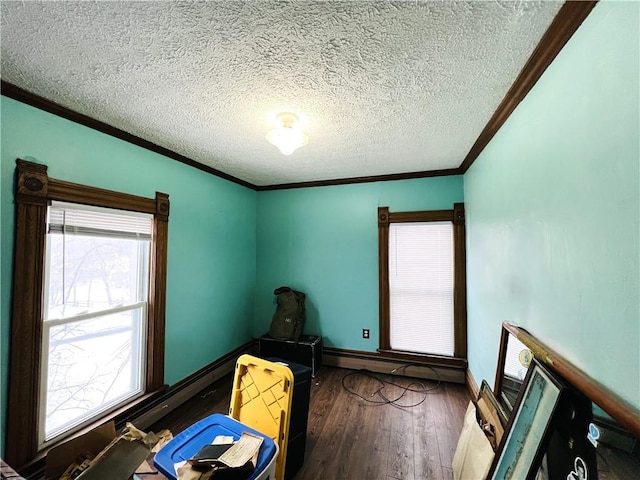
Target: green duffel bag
288, 320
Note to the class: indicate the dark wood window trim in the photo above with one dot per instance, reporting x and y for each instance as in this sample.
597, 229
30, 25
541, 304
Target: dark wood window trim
456, 216
34, 192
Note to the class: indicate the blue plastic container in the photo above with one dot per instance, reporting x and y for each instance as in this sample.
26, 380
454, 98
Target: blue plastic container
189, 442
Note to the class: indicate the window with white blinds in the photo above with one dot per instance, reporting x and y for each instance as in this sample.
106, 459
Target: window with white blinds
95, 314
84, 342
421, 283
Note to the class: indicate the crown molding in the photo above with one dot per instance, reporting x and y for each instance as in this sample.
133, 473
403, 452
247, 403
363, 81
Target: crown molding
21, 95
564, 25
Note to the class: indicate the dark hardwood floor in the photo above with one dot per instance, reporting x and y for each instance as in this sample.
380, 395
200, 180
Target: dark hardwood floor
348, 438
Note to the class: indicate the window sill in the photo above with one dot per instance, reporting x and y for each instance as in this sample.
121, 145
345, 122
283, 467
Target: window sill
35, 467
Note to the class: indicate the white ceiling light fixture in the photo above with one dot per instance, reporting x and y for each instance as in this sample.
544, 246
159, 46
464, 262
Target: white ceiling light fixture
287, 137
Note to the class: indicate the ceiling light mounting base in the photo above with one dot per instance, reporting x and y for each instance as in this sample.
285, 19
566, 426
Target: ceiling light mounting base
287, 137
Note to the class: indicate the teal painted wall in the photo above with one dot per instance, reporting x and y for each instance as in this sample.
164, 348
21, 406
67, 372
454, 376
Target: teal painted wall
324, 242
212, 234
553, 211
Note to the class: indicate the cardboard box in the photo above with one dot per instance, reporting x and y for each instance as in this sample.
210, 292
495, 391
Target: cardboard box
487, 414
115, 457
474, 454
480, 437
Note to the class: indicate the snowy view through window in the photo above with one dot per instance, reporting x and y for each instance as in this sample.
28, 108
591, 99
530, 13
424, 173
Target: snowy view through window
93, 336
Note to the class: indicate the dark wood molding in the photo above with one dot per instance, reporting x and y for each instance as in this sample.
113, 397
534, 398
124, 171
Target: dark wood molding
345, 352
564, 25
459, 281
26, 318
472, 385
383, 216
618, 408
383, 278
76, 193
17, 93
32, 183
457, 217
426, 216
34, 191
157, 292
458, 214
162, 206
502, 357
369, 179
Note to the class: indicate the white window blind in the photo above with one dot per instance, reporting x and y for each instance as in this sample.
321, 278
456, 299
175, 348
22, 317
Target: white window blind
421, 260
84, 220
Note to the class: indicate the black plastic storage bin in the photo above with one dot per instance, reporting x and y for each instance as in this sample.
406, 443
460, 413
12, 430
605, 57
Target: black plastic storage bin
297, 441
306, 351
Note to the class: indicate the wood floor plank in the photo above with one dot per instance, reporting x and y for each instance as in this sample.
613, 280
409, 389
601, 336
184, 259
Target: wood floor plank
352, 456
325, 388
448, 426
448, 473
325, 425
327, 450
345, 444
406, 406
426, 459
376, 446
459, 400
401, 452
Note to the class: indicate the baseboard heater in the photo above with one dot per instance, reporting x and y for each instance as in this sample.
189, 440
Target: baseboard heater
374, 362
187, 388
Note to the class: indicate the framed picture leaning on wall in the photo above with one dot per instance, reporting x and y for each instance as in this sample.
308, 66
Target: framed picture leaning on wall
547, 432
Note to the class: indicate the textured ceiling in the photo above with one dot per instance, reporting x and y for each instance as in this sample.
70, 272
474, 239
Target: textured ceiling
381, 87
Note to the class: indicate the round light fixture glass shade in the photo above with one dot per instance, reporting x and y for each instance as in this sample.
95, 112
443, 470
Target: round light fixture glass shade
288, 137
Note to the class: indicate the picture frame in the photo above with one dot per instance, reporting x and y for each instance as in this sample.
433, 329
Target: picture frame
523, 446
489, 396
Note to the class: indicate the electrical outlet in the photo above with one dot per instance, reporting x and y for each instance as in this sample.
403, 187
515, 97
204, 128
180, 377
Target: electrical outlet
365, 333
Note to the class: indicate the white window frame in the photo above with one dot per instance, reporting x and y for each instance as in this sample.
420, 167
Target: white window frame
143, 234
